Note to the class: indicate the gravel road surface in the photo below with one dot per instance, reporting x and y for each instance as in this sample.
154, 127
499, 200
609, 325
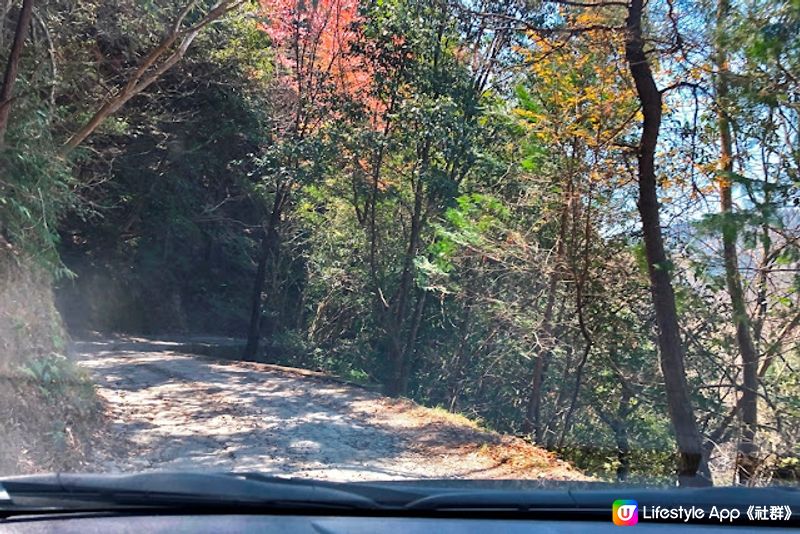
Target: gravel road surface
169, 410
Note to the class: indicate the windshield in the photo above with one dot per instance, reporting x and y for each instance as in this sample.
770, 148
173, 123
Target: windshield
363, 240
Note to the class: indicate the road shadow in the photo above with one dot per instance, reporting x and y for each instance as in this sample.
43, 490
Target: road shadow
181, 411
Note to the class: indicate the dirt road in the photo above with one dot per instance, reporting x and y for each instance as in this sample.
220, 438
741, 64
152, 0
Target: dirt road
169, 410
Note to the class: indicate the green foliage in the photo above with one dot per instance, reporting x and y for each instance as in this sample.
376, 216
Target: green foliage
57, 378
35, 189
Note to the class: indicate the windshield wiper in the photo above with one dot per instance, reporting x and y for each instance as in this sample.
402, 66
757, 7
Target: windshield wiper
184, 492
196, 491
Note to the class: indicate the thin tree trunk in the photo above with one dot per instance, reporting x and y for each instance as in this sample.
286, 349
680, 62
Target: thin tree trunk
692, 461
722, 431
397, 312
747, 457
254, 327
620, 429
619, 424
579, 306
12, 67
457, 363
268, 254
548, 430
5, 6
410, 349
532, 423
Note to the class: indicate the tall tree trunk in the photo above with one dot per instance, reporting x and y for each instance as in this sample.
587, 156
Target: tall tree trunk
747, 457
620, 429
12, 67
580, 283
270, 242
396, 314
457, 363
532, 423
692, 461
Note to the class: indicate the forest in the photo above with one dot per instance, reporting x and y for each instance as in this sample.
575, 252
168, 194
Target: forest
574, 221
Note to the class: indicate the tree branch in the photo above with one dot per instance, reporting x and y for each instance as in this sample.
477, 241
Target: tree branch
140, 79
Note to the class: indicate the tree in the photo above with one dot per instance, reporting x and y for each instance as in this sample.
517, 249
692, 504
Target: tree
421, 125
747, 458
692, 460
315, 71
753, 132
12, 66
577, 109
506, 210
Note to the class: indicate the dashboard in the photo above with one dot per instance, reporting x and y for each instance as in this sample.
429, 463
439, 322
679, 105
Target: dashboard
174, 524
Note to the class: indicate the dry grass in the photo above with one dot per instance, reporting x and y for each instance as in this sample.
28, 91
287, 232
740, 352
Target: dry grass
42, 432
438, 432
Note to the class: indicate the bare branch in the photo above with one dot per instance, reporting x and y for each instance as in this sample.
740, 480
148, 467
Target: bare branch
523, 25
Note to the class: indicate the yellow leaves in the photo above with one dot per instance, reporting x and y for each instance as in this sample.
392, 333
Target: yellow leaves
718, 179
676, 183
531, 118
541, 44
580, 88
586, 18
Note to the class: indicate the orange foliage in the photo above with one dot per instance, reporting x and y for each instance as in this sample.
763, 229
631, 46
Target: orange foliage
313, 40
